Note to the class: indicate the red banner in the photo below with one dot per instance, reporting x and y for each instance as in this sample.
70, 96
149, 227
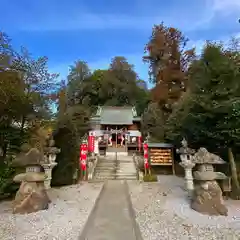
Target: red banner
83, 156
145, 149
91, 143
139, 143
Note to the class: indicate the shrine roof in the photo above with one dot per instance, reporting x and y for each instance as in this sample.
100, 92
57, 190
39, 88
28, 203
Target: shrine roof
116, 115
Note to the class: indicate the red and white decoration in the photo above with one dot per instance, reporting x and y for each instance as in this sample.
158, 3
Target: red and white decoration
145, 155
91, 141
139, 143
83, 156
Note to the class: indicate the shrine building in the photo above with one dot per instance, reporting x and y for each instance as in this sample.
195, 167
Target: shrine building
116, 128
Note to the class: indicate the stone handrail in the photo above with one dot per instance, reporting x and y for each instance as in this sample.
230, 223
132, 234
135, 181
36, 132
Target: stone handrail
91, 167
136, 163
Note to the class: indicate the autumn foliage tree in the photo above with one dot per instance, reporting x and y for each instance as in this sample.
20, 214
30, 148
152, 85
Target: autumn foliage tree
168, 61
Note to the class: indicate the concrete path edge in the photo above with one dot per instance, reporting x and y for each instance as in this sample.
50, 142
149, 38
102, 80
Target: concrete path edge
90, 218
136, 228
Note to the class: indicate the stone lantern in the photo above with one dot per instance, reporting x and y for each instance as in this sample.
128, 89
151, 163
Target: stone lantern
207, 197
186, 156
30, 158
31, 196
50, 154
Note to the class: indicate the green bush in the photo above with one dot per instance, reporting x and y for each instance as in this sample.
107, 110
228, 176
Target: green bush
67, 159
150, 178
7, 187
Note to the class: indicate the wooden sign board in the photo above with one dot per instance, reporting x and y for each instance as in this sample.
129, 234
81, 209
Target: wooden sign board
161, 154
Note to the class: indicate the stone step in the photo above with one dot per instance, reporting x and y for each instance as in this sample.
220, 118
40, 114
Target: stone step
104, 174
105, 177
126, 178
114, 149
106, 162
105, 169
125, 164
113, 154
125, 173
126, 168
105, 165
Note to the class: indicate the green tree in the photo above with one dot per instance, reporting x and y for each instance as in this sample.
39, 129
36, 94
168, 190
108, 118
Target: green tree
77, 82
211, 116
117, 86
152, 122
25, 90
71, 127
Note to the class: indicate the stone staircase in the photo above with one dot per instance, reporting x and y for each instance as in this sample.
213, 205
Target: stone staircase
106, 168
111, 151
116, 167
125, 168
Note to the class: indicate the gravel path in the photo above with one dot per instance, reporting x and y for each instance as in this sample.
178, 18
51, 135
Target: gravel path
64, 220
163, 212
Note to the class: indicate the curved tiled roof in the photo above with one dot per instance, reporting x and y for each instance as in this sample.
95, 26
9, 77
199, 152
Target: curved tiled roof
117, 115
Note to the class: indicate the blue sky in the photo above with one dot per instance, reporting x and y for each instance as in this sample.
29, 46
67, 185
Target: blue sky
95, 30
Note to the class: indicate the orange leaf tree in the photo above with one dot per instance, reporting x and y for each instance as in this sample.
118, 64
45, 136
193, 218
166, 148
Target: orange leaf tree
168, 61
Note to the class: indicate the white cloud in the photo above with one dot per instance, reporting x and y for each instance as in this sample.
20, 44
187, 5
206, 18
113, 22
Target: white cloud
199, 44
226, 5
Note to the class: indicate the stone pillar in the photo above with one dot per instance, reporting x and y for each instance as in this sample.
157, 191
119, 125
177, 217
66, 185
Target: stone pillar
48, 171
186, 156
188, 166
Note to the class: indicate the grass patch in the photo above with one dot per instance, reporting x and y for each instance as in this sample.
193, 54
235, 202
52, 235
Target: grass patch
150, 178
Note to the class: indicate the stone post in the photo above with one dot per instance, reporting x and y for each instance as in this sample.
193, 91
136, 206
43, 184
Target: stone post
186, 156
49, 162
48, 167
188, 166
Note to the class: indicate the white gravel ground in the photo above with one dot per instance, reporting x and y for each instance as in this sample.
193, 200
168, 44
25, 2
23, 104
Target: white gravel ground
163, 212
64, 220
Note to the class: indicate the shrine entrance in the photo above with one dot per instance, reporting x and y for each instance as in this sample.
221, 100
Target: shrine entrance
116, 136
114, 139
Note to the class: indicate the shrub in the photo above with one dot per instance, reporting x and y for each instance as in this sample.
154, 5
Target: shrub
67, 159
7, 187
150, 178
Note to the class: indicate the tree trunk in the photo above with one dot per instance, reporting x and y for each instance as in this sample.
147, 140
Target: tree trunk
233, 168
23, 123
